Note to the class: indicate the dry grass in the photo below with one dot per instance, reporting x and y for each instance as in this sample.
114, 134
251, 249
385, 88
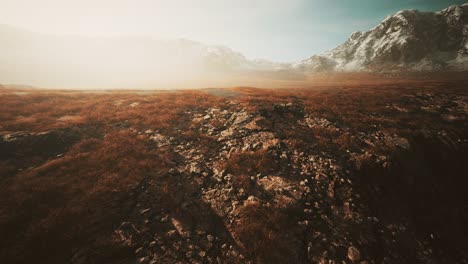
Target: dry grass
75, 200
52, 110
268, 234
67, 202
250, 163
393, 108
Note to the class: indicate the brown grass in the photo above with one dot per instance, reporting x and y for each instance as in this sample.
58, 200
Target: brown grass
52, 110
74, 201
268, 234
249, 163
61, 202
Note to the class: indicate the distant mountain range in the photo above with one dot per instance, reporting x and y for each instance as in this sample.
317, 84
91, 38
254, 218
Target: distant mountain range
409, 40
75, 61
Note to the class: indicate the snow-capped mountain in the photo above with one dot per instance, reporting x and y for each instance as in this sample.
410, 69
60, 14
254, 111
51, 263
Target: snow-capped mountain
407, 40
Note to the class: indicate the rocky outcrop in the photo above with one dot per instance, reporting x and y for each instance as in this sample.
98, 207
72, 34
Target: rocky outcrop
252, 171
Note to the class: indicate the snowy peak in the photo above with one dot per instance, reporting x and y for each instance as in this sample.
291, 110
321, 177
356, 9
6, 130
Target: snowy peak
409, 39
222, 58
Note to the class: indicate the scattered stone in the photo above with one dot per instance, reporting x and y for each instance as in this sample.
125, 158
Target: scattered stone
143, 260
139, 250
143, 211
311, 180
354, 254
171, 233
210, 238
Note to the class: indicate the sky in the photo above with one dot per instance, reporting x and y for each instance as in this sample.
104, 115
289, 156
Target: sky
278, 30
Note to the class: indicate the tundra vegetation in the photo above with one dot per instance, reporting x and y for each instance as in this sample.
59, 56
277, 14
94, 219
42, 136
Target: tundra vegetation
366, 173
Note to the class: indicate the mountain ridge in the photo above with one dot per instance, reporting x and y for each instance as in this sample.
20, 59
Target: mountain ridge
409, 39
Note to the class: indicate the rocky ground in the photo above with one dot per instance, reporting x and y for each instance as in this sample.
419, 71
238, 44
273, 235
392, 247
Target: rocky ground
290, 177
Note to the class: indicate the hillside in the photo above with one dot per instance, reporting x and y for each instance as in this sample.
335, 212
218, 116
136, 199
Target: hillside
408, 40
350, 173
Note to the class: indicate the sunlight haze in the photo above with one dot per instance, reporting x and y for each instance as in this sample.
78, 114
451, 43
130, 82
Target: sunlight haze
278, 30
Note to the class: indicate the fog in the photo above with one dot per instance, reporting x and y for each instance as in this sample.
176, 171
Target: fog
50, 61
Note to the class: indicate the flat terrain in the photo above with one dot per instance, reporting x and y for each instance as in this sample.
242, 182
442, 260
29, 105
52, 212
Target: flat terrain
340, 172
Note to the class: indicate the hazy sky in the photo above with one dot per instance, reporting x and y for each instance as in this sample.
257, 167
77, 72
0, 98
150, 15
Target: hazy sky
281, 30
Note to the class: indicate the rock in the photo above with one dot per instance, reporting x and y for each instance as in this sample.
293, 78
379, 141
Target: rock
143, 260
171, 233
294, 109
178, 226
142, 211
139, 250
210, 238
240, 118
226, 133
241, 193
354, 254
252, 125
194, 168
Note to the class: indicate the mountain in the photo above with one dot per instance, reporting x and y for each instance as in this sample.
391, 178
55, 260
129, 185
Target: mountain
86, 62
409, 39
